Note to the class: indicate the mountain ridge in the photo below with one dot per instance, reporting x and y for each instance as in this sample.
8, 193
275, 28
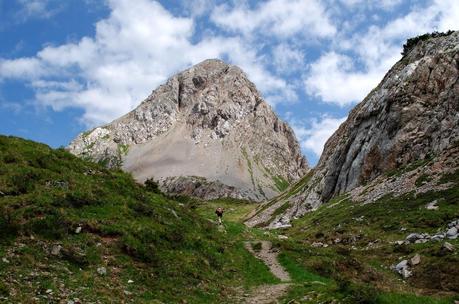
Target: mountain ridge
386, 131
208, 121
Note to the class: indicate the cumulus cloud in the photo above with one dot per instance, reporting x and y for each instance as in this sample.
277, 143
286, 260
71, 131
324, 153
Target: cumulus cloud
287, 59
134, 50
347, 73
140, 44
334, 79
21, 68
283, 18
314, 138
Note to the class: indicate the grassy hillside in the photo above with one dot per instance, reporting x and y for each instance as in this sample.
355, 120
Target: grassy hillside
359, 249
71, 229
355, 266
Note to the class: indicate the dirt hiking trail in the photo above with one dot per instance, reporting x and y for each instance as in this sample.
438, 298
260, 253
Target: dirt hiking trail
268, 294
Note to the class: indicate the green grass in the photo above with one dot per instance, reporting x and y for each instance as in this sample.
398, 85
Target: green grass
352, 261
390, 298
171, 252
280, 183
234, 210
299, 273
123, 149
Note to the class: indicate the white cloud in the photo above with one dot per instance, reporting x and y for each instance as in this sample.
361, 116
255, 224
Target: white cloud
281, 18
314, 138
370, 4
38, 9
134, 50
198, 7
287, 59
334, 79
346, 74
21, 68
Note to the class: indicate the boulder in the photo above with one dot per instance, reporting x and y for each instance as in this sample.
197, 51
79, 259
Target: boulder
437, 237
452, 233
56, 249
432, 205
403, 269
401, 265
415, 260
413, 237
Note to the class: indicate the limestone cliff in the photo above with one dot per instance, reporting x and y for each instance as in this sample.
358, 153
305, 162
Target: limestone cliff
206, 122
411, 117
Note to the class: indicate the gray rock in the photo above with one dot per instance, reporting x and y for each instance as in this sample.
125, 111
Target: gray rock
102, 271
208, 121
388, 131
403, 269
401, 265
437, 237
452, 233
432, 205
413, 237
56, 249
317, 244
406, 273
78, 229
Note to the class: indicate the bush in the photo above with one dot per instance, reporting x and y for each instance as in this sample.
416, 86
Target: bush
142, 208
357, 294
412, 42
152, 186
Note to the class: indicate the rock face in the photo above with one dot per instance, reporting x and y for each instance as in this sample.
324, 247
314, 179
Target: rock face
206, 122
411, 116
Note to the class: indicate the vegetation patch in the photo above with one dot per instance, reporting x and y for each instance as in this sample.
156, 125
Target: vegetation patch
100, 218
412, 42
280, 183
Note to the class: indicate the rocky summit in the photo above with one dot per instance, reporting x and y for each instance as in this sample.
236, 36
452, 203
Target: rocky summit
205, 132
406, 128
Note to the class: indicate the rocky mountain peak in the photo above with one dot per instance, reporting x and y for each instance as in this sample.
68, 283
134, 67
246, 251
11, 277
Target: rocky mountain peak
411, 116
208, 122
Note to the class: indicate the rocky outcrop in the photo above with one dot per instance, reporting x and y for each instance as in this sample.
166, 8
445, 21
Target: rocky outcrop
200, 187
209, 122
411, 116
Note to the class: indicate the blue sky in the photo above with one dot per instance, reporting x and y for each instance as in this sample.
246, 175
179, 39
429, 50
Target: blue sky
66, 66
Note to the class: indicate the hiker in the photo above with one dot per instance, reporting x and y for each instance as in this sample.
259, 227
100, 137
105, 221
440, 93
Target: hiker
219, 213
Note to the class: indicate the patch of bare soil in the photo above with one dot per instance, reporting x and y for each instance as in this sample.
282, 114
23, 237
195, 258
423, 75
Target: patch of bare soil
268, 294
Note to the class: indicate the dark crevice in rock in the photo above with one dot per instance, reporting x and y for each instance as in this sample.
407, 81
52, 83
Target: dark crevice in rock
180, 93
